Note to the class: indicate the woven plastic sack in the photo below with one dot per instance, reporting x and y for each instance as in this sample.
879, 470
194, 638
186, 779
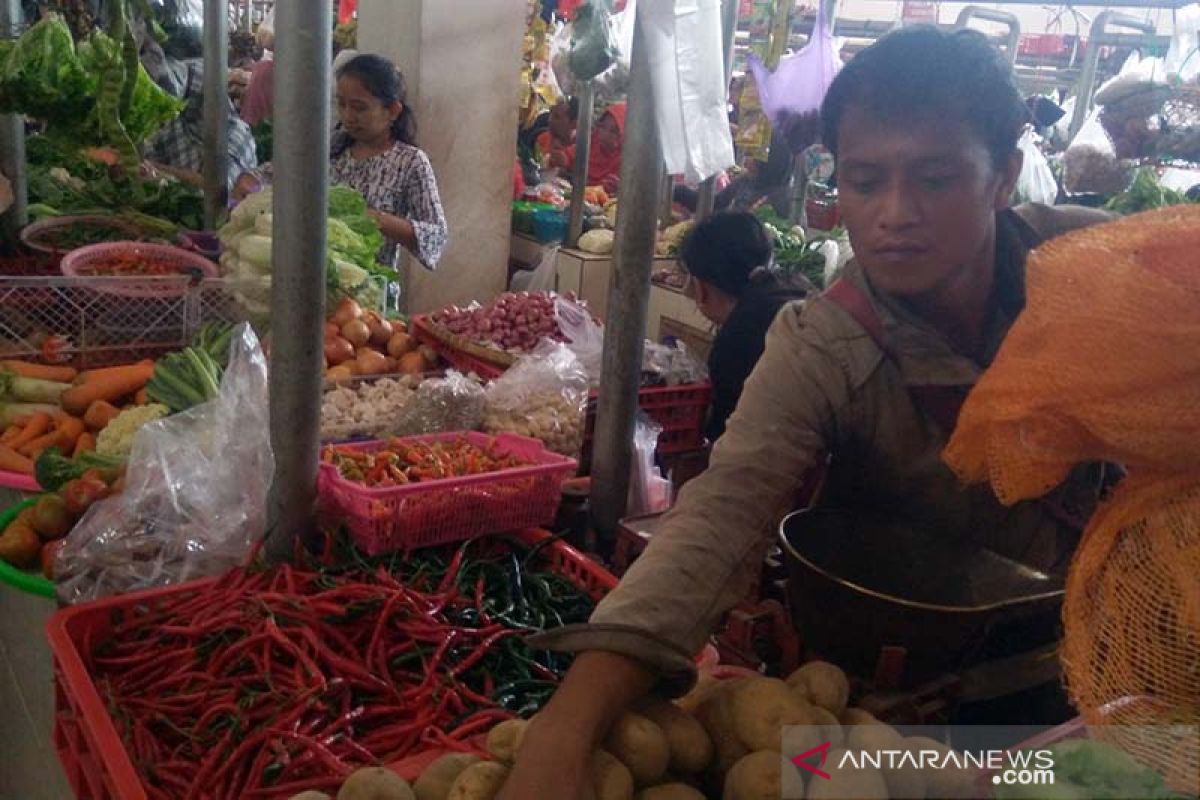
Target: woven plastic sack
1102, 366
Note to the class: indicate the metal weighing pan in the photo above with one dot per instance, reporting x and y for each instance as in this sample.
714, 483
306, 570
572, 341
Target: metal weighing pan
858, 584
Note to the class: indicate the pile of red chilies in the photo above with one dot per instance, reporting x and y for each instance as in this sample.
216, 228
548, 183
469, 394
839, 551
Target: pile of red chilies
264, 684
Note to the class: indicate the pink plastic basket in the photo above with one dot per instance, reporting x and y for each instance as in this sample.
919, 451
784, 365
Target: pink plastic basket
188, 264
439, 512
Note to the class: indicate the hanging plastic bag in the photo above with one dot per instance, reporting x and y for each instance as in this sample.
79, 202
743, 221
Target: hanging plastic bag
542, 278
195, 496
585, 336
686, 54
543, 396
1036, 183
797, 87
671, 364
593, 46
1090, 164
649, 491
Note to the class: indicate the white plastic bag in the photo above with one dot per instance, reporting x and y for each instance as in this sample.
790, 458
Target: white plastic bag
585, 337
798, 85
1036, 183
195, 493
610, 85
542, 278
686, 49
543, 396
1182, 60
1090, 164
649, 491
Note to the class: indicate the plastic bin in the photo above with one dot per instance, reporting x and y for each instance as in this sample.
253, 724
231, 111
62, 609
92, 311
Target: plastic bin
94, 758
680, 410
549, 225
425, 514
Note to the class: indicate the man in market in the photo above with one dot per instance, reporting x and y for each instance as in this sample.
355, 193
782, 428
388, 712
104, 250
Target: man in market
924, 125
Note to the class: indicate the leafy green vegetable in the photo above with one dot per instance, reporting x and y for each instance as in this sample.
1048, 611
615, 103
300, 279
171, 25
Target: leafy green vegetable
52, 469
185, 379
1095, 770
795, 253
1145, 194
345, 202
80, 92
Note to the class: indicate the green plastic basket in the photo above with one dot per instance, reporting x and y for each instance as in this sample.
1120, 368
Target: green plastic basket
31, 582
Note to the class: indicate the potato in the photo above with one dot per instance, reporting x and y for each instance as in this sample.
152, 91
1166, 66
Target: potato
375, 783
690, 745
640, 745
830, 727
310, 795
504, 740
613, 779
848, 783
856, 716
480, 781
670, 791
761, 707
716, 715
948, 782
438, 777
758, 776
705, 687
822, 684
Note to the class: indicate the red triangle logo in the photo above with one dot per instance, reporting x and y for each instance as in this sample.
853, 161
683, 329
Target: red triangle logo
801, 760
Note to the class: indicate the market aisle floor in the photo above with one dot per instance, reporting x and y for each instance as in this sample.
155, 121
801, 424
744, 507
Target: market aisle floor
29, 767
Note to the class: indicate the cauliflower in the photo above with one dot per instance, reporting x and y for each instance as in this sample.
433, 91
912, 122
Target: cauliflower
597, 241
117, 437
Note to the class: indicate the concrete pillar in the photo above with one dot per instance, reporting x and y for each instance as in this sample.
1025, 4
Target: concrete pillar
462, 62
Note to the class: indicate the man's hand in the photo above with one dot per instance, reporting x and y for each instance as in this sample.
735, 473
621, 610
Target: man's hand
246, 185
555, 761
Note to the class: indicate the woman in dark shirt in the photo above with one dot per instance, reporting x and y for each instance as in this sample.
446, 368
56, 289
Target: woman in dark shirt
732, 279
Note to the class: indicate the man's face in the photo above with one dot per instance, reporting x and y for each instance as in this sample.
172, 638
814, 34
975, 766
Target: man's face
918, 199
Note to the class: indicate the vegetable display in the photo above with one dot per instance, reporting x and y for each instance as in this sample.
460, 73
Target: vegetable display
401, 463
1092, 769
514, 321
354, 239
367, 408
269, 683
1146, 193
797, 253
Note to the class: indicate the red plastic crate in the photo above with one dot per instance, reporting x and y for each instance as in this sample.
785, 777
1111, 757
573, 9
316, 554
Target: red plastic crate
439, 512
680, 410
93, 756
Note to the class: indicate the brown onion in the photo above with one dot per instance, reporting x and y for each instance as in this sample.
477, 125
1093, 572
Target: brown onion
370, 362
356, 332
338, 350
346, 310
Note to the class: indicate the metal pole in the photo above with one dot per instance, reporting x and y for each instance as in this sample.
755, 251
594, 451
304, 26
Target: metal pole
216, 110
303, 40
628, 298
12, 137
583, 152
706, 201
666, 199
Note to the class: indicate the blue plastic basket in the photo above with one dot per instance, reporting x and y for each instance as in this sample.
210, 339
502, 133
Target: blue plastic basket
550, 225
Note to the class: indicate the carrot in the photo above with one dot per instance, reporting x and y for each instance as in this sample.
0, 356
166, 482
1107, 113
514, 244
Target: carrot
99, 414
13, 431
109, 384
37, 426
46, 373
12, 461
69, 430
34, 449
142, 397
86, 443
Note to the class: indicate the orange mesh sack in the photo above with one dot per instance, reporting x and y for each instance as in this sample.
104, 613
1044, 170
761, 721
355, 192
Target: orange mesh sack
1104, 365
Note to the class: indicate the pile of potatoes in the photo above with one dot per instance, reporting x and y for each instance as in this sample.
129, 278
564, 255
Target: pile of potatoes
723, 740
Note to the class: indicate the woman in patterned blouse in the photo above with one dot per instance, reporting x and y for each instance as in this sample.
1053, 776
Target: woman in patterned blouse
374, 152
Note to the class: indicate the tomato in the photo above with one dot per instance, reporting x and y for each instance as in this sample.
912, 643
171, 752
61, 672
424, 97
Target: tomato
81, 493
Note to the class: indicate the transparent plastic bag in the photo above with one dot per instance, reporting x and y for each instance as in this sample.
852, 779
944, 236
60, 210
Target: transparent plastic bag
543, 396
1090, 164
671, 365
195, 493
452, 403
1036, 183
649, 491
541, 278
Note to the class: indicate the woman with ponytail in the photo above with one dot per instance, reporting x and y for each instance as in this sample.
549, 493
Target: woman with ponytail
733, 280
374, 152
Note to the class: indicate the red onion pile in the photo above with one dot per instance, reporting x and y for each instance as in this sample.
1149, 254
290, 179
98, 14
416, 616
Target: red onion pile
514, 321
